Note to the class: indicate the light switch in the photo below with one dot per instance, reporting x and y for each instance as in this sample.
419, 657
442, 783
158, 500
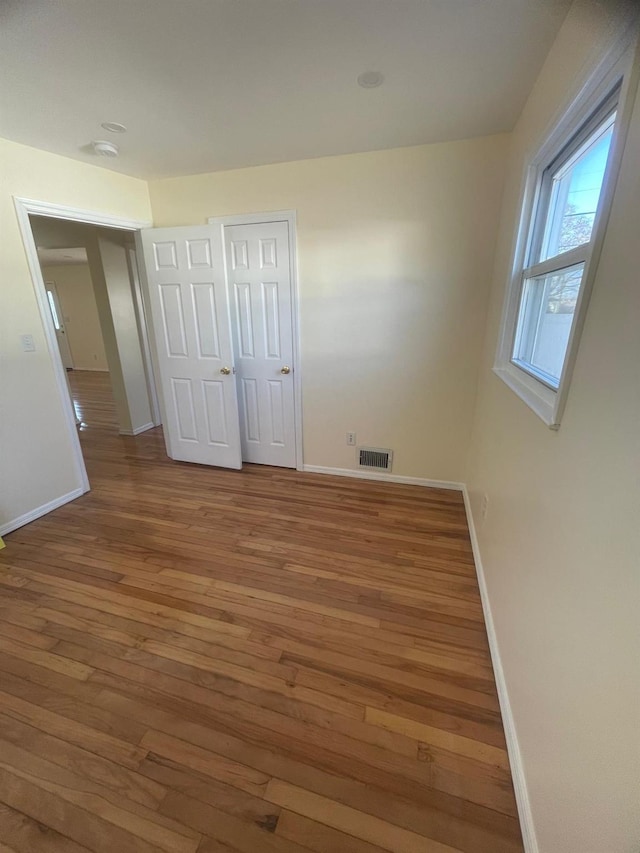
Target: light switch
27, 343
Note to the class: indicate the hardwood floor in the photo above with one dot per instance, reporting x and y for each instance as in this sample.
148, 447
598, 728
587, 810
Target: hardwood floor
93, 399
264, 661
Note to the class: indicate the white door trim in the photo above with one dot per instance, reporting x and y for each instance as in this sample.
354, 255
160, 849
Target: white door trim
78, 214
290, 217
24, 207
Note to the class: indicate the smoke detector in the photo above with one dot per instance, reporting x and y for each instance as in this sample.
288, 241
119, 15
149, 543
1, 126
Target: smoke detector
105, 149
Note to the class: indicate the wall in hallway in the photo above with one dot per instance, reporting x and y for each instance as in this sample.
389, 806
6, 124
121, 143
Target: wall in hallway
112, 286
80, 313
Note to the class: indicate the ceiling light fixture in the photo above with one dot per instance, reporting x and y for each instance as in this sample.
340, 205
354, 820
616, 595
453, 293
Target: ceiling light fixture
370, 79
105, 149
114, 127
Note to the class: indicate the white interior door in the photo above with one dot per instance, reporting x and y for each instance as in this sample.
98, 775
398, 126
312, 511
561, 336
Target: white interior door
58, 324
259, 274
191, 329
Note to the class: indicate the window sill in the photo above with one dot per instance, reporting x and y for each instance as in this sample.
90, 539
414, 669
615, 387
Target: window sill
538, 397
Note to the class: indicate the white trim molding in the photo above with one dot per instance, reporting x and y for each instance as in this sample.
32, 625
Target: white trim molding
384, 478
24, 208
78, 214
137, 430
40, 511
290, 217
508, 722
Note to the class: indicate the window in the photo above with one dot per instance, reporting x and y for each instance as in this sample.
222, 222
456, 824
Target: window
568, 192
562, 232
54, 313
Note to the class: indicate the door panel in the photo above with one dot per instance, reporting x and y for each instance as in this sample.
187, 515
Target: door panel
175, 335
271, 316
260, 279
190, 315
204, 309
184, 409
244, 313
250, 407
276, 412
216, 411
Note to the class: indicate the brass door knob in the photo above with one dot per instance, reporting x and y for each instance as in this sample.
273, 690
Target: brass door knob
286, 369
225, 371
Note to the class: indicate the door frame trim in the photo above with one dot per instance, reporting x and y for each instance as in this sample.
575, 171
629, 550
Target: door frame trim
290, 217
24, 207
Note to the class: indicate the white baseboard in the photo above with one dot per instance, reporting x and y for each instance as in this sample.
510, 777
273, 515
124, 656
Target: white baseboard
138, 430
382, 477
513, 748
39, 511
91, 369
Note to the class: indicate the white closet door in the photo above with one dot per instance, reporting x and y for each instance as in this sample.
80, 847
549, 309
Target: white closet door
259, 275
190, 314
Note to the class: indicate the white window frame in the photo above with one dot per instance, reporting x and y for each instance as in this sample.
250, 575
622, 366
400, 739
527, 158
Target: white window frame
616, 71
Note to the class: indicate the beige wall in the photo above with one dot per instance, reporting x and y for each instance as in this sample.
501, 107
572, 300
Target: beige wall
561, 544
81, 321
107, 257
35, 451
395, 251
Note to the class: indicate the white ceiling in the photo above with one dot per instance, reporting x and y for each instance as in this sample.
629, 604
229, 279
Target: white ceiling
59, 257
204, 85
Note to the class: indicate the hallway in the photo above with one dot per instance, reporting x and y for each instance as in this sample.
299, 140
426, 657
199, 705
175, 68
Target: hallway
93, 399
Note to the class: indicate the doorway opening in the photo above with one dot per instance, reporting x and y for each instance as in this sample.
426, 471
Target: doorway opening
121, 387
74, 313
88, 274
108, 288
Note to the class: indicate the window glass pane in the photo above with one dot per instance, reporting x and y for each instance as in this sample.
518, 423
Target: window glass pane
575, 191
546, 316
54, 313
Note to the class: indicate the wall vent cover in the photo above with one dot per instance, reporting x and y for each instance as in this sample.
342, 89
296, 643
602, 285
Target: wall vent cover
375, 458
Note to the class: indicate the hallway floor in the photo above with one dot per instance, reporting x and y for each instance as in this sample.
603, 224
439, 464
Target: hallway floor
266, 661
93, 399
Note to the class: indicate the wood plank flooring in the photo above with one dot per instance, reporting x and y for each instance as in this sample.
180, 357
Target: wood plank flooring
264, 661
93, 398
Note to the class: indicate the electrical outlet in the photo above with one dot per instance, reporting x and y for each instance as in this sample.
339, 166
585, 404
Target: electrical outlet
351, 439
484, 506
